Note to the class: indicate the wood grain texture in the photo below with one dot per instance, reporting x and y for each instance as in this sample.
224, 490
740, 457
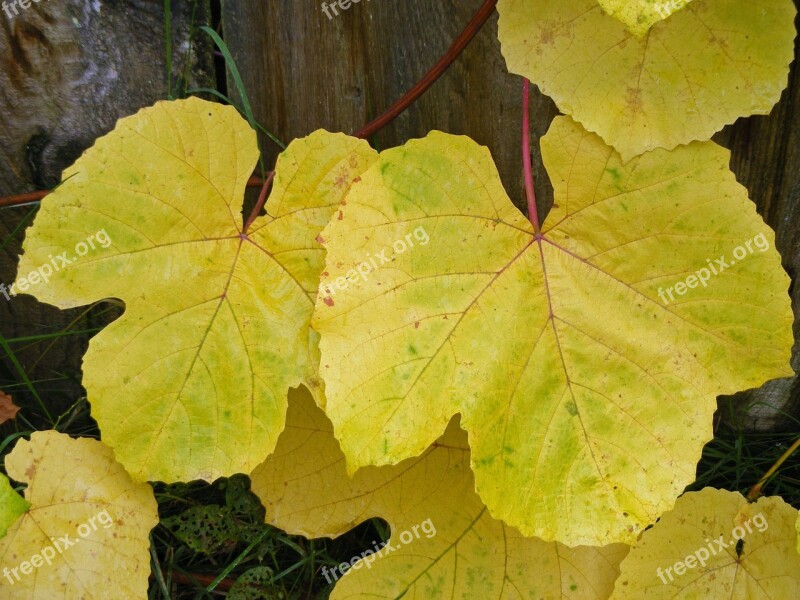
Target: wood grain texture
303, 71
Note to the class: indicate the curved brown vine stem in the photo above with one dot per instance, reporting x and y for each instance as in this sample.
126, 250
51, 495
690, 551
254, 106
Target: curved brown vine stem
527, 168
31, 197
461, 42
756, 490
20, 199
262, 198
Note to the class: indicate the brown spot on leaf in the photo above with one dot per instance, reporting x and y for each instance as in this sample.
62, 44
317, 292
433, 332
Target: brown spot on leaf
633, 98
342, 179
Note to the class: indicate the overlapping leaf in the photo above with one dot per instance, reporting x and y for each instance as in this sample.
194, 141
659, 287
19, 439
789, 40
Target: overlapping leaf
640, 15
12, 505
715, 545
444, 544
86, 533
191, 381
705, 66
587, 397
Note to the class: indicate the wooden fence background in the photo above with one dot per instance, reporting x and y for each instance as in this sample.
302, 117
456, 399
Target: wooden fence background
69, 69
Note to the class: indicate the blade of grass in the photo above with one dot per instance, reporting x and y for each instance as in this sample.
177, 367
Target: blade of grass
237, 80
157, 569
224, 98
756, 490
18, 367
236, 561
72, 323
19, 227
4, 444
47, 336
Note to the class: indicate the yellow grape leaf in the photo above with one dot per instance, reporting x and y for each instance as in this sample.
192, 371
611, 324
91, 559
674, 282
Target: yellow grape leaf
444, 544
640, 15
86, 533
12, 505
797, 529
191, 382
587, 397
715, 545
702, 68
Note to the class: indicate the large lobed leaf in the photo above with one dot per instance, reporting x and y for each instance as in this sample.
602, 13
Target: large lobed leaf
443, 545
587, 398
191, 381
705, 66
715, 545
86, 533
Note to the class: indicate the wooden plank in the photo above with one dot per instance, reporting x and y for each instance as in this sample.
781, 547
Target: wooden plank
303, 71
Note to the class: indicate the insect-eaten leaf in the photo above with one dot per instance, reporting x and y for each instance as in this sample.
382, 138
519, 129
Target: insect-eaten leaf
191, 382
585, 361
707, 65
213, 528
256, 584
715, 545
444, 543
86, 533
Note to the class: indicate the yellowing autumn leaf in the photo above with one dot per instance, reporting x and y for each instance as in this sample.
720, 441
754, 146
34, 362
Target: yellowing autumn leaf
797, 528
12, 505
191, 381
715, 545
86, 533
640, 15
585, 361
705, 66
444, 544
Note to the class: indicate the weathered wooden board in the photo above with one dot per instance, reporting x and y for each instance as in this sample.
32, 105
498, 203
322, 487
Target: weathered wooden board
303, 70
